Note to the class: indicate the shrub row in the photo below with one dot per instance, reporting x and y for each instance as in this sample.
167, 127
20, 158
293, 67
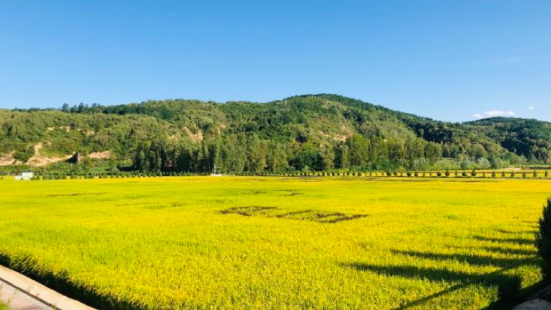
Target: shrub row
432, 174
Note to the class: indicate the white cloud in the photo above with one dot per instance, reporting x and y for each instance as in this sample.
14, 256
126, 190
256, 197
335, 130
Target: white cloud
494, 113
516, 59
531, 108
478, 116
498, 113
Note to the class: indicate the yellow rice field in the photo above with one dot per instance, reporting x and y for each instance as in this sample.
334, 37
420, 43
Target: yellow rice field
277, 243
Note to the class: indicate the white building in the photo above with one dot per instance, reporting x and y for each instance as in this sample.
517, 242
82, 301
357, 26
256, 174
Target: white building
25, 176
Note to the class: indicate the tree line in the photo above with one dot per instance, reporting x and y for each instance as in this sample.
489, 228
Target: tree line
238, 153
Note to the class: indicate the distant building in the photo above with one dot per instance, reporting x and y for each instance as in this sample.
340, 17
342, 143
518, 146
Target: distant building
215, 172
25, 176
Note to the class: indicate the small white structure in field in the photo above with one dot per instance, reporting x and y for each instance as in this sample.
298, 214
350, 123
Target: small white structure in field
214, 172
25, 176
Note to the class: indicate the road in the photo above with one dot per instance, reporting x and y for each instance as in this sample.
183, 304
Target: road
22, 293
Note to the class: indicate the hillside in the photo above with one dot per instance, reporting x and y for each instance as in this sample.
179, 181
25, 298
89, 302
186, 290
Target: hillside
315, 132
527, 137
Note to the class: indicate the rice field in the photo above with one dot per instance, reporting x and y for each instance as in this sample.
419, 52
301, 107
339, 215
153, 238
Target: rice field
277, 243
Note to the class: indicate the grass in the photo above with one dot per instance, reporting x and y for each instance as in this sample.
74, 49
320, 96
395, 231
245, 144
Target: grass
273, 243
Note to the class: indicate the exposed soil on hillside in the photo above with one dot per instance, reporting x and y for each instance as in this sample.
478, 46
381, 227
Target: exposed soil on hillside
39, 160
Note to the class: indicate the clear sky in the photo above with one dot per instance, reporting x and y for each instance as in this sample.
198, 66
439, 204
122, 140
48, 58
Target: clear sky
446, 59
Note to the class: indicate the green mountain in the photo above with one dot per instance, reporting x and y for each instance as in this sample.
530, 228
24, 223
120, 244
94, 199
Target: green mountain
528, 137
314, 132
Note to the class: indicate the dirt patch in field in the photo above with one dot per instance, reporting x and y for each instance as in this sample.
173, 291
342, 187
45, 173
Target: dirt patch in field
324, 217
76, 194
319, 216
165, 206
272, 193
247, 211
293, 194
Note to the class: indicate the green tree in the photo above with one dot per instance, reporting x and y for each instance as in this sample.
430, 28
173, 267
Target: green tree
543, 239
256, 153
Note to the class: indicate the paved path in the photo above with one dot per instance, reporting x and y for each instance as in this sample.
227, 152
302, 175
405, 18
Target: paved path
22, 293
18, 300
535, 304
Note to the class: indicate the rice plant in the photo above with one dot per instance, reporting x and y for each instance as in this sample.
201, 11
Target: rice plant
276, 242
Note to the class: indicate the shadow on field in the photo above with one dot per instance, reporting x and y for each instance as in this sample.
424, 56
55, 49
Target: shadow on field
519, 241
62, 283
471, 259
509, 286
506, 251
531, 224
505, 231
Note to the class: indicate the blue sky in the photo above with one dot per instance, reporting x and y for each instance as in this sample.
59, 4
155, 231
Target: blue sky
453, 60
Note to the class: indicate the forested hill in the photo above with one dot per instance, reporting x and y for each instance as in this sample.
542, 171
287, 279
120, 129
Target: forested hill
313, 132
